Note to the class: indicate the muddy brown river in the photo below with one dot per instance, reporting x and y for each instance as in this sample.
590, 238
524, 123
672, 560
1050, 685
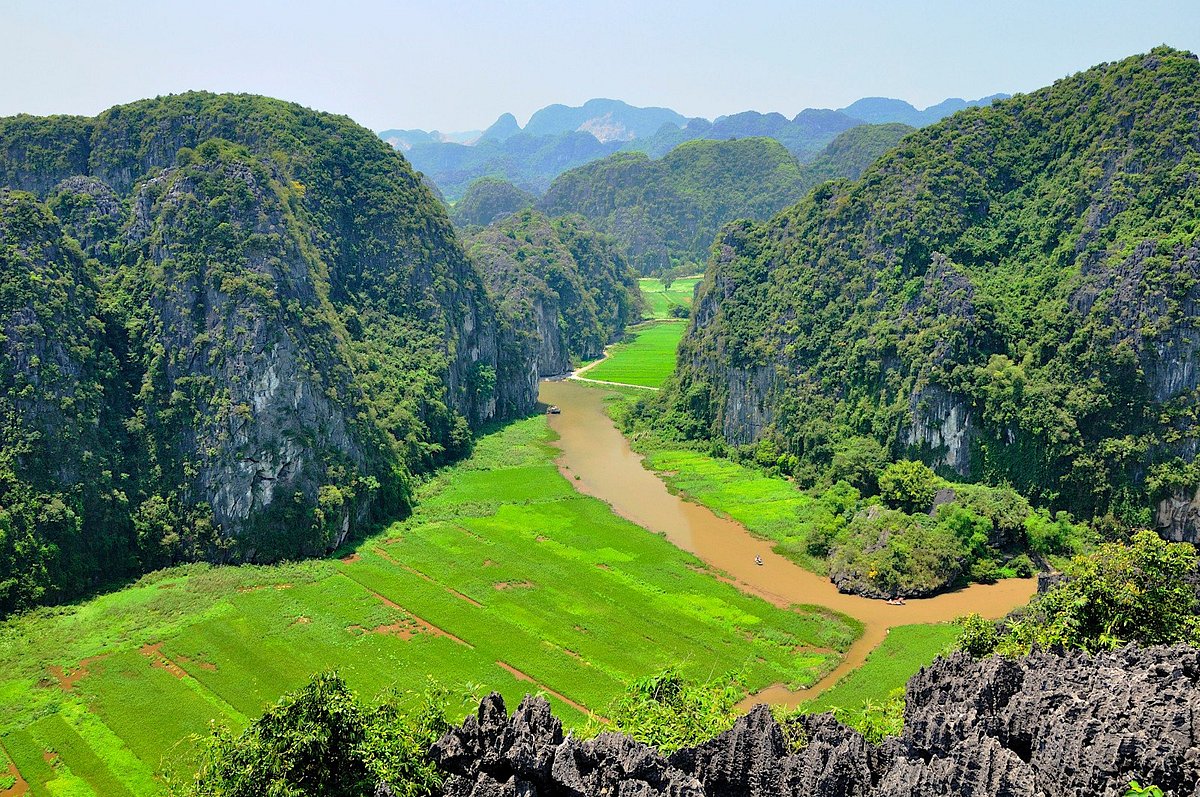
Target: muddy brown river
597, 459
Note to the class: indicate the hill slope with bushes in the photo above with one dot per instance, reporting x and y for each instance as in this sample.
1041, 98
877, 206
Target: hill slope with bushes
232, 329
1010, 295
666, 212
567, 290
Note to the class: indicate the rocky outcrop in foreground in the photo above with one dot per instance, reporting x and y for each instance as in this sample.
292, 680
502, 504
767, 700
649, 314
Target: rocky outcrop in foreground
1045, 725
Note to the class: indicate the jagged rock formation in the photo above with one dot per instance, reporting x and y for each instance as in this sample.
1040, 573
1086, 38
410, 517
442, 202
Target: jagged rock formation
285, 327
1072, 725
1010, 294
564, 290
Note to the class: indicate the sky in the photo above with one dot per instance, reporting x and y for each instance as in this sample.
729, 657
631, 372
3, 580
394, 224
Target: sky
458, 64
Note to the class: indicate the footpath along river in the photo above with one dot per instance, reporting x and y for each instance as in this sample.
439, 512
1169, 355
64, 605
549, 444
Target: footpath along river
597, 459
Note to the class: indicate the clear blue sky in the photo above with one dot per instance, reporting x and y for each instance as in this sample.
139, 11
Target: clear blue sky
457, 64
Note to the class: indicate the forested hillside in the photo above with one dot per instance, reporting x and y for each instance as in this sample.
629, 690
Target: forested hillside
232, 329
489, 199
666, 212
566, 289
1010, 295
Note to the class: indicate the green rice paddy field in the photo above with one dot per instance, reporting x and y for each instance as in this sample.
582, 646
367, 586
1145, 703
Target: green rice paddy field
505, 578
646, 360
906, 649
660, 300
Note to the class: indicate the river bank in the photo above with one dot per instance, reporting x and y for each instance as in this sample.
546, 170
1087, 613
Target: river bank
598, 461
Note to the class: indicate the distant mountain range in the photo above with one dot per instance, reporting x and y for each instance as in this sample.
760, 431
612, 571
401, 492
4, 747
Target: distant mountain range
561, 137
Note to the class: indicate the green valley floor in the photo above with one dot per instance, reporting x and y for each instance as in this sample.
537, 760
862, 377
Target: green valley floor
660, 299
645, 360
505, 578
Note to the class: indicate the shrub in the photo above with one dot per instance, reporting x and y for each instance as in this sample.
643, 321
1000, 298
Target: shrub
320, 741
1141, 592
908, 486
667, 712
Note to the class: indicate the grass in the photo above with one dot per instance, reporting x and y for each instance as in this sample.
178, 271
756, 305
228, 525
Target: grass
503, 563
906, 649
646, 360
770, 507
660, 300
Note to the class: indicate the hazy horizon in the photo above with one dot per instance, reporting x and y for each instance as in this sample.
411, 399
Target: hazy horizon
457, 65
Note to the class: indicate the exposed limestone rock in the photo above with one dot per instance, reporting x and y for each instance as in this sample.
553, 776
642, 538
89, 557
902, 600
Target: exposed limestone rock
747, 411
1044, 726
527, 754
1178, 517
941, 428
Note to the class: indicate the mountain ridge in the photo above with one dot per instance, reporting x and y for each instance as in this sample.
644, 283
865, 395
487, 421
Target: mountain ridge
285, 325
560, 137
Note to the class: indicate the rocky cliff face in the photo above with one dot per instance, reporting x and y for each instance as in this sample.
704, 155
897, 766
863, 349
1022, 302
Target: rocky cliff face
990, 297
293, 325
1069, 725
62, 485
560, 280
248, 392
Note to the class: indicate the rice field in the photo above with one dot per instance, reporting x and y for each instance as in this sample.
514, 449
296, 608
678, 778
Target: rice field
504, 578
660, 300
906, 649
647, 359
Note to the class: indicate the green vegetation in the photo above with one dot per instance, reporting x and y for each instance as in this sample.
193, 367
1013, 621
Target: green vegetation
489, 199
666, 212
906, 649
668, 711
564, 290
492, 581
231, 245
668, 297
886, 545
849, 155
1005, 296
647, 358
319, 740
1143, 592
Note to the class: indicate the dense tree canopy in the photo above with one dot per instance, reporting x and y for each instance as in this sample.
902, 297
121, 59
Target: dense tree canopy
665, 212
233, 328
1007, 295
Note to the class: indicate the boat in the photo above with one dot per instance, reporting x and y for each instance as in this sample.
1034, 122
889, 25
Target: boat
758, 561
553, 410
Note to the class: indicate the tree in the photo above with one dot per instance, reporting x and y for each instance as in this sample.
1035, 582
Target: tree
1142, 592
319, 742
908, 486
858, 460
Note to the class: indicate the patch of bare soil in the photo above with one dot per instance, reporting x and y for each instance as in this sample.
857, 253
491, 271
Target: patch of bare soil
67, 679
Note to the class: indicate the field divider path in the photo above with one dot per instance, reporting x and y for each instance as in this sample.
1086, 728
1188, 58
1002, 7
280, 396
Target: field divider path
577, 374
520, 676
430, 627
20, 786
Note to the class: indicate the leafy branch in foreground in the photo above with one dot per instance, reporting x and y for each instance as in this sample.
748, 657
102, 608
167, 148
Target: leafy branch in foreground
321, 741
1142, 592
666, 711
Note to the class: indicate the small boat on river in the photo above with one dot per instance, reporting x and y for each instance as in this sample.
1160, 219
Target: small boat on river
553, 410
